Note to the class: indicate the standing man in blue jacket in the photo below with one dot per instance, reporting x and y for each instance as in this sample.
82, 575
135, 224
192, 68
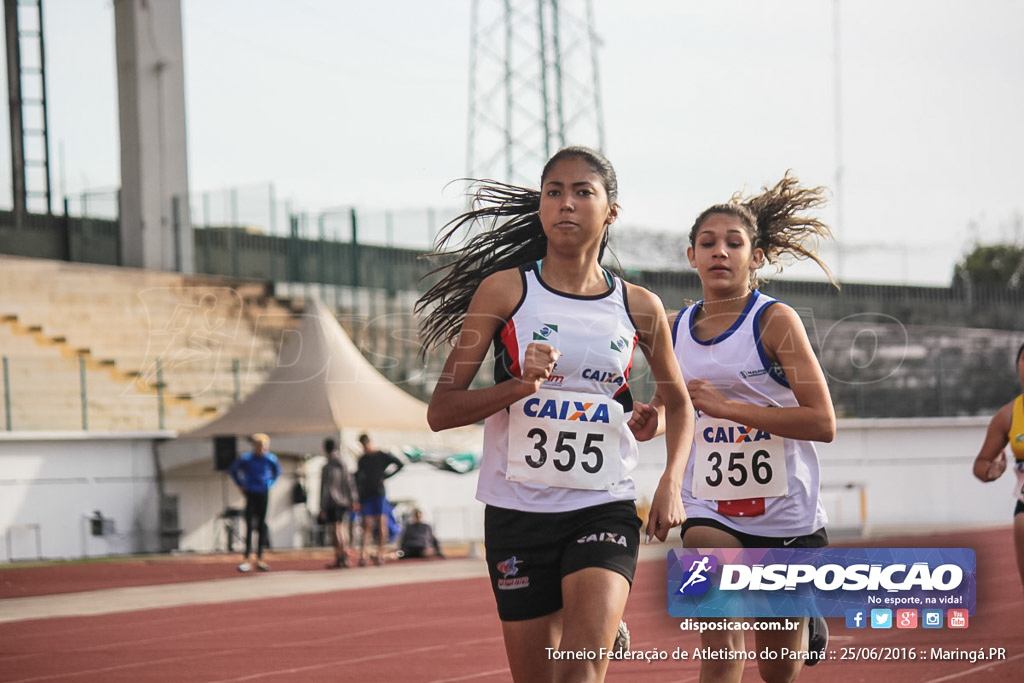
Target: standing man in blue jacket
254, 473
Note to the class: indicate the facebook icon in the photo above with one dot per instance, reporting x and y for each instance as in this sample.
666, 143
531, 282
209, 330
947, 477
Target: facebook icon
856, 618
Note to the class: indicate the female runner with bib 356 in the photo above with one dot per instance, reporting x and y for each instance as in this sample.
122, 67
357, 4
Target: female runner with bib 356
759, 390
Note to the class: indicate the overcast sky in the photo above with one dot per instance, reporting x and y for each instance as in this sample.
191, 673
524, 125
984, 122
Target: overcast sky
365, 103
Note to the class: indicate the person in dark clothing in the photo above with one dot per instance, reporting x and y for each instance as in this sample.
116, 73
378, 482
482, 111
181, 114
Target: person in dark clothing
374, 467
418, 539
254, 473
337, 496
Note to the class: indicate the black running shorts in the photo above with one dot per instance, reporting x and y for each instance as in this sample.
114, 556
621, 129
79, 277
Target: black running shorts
335, 515
528, 553
818, 539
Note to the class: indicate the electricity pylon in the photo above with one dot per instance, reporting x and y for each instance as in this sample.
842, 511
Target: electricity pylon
533, 86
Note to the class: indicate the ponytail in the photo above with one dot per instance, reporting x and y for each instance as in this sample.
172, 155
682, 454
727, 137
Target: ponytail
783, 233
775, 222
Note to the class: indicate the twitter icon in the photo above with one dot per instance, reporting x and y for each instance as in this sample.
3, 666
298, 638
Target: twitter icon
881, 618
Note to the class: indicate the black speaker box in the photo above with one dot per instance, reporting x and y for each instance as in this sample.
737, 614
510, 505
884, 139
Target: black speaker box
225, 449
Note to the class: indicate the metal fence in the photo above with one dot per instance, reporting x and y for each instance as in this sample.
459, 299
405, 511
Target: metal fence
257, 210
41, 393
925, 357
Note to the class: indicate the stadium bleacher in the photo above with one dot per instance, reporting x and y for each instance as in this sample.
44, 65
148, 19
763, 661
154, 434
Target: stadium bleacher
145, 349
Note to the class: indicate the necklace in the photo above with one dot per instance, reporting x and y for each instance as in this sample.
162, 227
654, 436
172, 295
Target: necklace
722, 301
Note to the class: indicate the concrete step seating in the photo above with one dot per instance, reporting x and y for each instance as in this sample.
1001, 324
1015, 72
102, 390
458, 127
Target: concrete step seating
127, 327
45, 389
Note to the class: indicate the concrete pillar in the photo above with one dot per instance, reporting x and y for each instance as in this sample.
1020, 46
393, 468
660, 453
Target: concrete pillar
155, 234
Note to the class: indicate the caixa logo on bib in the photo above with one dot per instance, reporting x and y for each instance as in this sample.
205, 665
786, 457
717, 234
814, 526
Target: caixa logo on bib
572, 411
795, 582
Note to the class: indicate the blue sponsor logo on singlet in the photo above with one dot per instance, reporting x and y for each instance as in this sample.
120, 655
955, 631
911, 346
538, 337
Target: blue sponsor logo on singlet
603, 376
775, 369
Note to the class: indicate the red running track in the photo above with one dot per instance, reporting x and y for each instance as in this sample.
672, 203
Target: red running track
445, 631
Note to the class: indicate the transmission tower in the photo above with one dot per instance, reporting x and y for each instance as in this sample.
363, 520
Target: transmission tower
26, 85
533, 86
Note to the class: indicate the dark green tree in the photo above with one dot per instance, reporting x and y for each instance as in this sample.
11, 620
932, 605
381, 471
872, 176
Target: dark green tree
993, 265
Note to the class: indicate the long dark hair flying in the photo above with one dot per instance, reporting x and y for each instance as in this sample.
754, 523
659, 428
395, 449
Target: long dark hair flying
500, 244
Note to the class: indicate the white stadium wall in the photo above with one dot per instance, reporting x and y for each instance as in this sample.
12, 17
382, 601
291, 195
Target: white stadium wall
878, 475
52, 484
890, 474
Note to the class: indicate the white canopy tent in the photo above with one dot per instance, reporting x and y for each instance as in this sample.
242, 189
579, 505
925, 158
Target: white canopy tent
321, 386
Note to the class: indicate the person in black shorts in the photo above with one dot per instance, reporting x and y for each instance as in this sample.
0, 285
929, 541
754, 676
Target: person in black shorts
560, 523
337, 496
374, 467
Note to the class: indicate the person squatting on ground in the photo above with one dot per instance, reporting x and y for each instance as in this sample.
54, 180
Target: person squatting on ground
560, 523
254, 473
418, 539
748, 364
1007, 427
374, 467
337, 496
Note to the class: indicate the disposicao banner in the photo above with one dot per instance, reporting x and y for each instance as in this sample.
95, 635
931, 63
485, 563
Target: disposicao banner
826, 582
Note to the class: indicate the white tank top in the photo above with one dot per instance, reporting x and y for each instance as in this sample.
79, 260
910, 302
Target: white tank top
735, 474
570, 448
